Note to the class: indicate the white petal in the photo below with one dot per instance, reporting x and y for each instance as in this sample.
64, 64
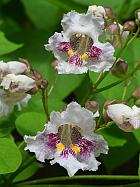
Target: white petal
22, 82
16, 67
79, 116
101, 145
98, 11
74, 22
66, 68
91, 162
5, 109
38, 145
23, 102
71, 164
106, 59
53, 40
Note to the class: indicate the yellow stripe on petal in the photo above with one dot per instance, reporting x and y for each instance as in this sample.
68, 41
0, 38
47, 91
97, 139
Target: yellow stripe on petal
75, 148
70, 52
60, 147
84, 56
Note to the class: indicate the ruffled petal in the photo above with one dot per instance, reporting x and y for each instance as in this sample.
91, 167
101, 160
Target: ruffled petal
5, 109
38, 145
74, 22
66, 68
105, 60
79, 116
90, 161
71, 164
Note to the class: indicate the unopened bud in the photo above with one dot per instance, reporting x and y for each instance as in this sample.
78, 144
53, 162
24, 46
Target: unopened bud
120, 69
33, 91
44, 83
92, 106
109, 12
25, 61
136, 93
36, 75
129, 26
55, 64
137, 14
106, 104
113, 28
137, 102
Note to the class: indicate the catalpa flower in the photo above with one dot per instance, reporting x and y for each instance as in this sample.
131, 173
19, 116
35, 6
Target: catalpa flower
13, 92
77, 47
126, 118
69, 140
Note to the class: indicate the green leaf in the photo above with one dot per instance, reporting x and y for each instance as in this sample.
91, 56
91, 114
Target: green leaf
39, 12
113, 139
119, 155
10, 157
27, 173
30, 123
6, 46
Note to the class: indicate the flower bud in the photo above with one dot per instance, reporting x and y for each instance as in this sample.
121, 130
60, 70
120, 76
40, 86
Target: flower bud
106, 104
36, 75
92, 106
109, 12
126, 118
44, 83
26, 62
136, 93
33, 91
137, 14
129, 26
54, 64
113, 28
137, 103
120, 68
97, 11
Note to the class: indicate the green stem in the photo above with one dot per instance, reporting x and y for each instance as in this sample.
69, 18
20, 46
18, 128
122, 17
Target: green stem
128, 42
82, 177
117, 82
45, 103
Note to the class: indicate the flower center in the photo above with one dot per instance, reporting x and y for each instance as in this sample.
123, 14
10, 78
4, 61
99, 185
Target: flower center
69, 135
80, 43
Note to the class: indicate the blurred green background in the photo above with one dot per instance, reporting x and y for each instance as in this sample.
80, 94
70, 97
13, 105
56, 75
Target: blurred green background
31, 23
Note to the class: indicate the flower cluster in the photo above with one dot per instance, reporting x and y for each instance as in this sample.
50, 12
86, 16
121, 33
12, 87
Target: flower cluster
14, 86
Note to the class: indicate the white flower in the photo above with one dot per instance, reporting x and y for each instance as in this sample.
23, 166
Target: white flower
14, 67
125, 117
7, 103
69, 139
98, 11
77, 47
17, 83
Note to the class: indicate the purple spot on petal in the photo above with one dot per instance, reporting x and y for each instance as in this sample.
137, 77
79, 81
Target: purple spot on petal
86, 146
53, 140
94, 52
66, 152
63, 46
75, 59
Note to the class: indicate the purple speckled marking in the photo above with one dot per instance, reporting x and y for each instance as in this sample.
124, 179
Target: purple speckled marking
63, 46
53, 140
86, 146
75, 59
94, 52
66, 152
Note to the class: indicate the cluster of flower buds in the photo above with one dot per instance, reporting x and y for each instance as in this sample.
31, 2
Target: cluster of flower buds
15, 84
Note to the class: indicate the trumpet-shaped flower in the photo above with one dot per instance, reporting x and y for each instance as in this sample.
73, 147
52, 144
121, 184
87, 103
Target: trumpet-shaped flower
77, 47
69, 140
